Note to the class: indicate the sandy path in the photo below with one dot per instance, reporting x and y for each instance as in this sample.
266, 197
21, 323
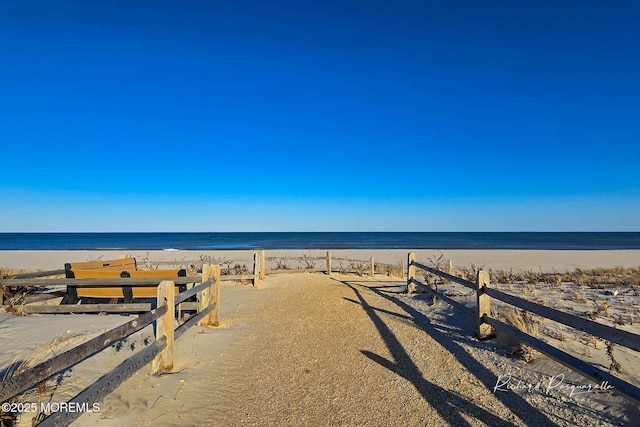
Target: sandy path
314, 350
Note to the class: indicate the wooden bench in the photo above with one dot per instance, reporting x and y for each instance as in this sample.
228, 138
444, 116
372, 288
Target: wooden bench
114, 269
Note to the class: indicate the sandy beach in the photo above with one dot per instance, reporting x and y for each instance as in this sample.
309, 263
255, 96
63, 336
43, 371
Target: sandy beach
312, 349
518, 260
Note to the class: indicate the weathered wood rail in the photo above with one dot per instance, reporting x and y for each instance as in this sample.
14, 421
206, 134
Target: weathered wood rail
481, 313
159, 353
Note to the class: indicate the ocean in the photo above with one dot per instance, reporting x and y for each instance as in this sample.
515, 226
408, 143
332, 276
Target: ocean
322, 240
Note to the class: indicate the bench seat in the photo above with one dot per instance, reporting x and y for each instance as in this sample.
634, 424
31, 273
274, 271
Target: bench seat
111, 292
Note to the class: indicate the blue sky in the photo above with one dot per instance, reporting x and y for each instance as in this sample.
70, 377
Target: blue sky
320, 116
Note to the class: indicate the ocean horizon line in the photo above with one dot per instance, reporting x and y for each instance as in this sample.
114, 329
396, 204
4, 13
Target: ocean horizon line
318, 240
329, 231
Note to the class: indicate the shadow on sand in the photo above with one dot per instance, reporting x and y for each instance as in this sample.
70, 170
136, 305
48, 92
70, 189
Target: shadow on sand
448, 404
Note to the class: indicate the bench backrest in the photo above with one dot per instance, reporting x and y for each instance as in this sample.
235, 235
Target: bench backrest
118, 265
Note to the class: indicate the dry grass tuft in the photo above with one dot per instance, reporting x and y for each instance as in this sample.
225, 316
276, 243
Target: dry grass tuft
601, 308
593, 340
440, 263
556, 333
306, 263
523, 321
359, 267
599, 278
619, 320
390, 270
56, 346
528, 289
470, 273
501, 276
578, 296
43, 390
615, 365
14, 299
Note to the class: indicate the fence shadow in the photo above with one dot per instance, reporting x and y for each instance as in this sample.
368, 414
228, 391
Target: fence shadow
448, 404
8, 371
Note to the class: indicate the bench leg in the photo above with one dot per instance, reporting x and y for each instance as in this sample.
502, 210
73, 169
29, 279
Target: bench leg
127, 292
71, 297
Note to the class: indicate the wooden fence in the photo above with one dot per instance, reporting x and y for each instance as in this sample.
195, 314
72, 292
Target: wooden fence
481, 313
328, 264
262, 265
159, 353
251, 271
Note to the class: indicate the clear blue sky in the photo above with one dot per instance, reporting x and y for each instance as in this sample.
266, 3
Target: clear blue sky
314, 116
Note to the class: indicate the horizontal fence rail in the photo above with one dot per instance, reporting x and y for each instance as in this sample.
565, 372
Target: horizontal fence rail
36, 274
89, 308
195, 320
152, 281
183, 296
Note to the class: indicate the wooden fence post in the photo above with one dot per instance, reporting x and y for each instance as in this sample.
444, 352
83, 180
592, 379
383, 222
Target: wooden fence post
164, 327
210, 295
484, 305
402, 272
411, 273
256, 268
214, 317
373, 267
329, 263
205, 296
263, 262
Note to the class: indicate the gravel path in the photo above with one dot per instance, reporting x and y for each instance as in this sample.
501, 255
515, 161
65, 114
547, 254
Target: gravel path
339, 354
313, 350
